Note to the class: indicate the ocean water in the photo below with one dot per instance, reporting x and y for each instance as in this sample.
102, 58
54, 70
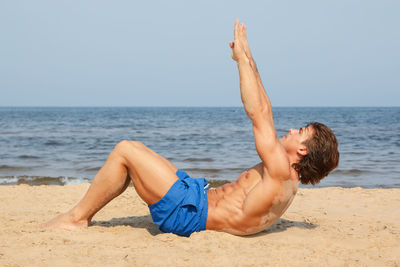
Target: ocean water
69, 145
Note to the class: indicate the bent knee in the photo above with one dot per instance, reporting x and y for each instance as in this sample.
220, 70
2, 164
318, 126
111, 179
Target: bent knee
125, 146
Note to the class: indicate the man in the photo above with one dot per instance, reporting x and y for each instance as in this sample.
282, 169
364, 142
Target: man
183, 205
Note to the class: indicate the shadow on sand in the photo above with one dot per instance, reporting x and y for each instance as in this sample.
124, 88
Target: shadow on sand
283, 224
146, 222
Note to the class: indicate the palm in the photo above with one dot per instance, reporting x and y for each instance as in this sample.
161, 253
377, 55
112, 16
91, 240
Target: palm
240, 47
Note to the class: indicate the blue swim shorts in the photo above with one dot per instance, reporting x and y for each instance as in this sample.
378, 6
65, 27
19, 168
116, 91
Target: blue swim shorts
183, 209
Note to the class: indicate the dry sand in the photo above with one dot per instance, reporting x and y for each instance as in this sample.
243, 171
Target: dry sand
329, 226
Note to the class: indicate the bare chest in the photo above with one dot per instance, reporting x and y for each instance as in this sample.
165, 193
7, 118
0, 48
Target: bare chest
226, 203
236, 191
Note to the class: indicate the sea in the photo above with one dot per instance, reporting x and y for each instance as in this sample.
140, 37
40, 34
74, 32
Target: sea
68, 145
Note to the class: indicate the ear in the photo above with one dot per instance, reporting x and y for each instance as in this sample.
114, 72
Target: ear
302, 151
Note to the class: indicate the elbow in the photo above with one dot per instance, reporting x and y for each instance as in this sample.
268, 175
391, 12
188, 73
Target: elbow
252, 114
259, 112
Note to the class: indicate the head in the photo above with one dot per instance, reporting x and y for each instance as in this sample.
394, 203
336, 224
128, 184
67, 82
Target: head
318, 153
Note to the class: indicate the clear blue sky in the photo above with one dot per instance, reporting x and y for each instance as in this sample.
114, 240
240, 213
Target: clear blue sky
176, 53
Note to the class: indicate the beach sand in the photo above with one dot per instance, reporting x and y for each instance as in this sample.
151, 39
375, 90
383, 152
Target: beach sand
323, 227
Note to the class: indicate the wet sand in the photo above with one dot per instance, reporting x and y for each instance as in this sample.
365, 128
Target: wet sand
325, 226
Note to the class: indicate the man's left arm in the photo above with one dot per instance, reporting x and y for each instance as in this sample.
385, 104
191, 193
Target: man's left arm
258, 107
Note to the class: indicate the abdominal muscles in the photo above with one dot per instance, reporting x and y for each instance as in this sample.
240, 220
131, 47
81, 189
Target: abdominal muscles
275, 212
226, 206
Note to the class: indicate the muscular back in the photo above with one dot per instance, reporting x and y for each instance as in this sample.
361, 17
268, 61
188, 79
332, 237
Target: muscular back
231, 209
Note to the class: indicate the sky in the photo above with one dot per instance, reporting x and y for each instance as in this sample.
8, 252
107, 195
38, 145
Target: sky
176, 53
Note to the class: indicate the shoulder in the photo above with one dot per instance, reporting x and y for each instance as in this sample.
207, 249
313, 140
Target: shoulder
271, 152
277, 165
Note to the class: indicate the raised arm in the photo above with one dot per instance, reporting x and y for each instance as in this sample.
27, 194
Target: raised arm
258, 107
246, 48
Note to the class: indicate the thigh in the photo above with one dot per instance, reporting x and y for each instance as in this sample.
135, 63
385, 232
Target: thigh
152, 174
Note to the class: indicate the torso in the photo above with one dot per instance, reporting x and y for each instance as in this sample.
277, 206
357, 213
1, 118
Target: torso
226, 203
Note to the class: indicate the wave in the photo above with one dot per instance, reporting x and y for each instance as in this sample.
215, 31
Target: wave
88, 169
203, 170
41, 180
350, 172
198, 160
28, 157
53, 143
61, 180
11, 132
94, 169
13, 168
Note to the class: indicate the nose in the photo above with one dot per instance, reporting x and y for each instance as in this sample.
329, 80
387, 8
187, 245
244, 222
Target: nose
292, 131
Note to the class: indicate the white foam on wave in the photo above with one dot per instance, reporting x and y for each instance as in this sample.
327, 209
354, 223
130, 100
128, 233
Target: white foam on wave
42, 180
8, 180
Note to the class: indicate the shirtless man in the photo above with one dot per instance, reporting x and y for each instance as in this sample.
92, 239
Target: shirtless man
183, 205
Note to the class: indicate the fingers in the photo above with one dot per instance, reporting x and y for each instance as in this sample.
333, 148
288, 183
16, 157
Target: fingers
236, 30
243, 40
240, 44
241, 31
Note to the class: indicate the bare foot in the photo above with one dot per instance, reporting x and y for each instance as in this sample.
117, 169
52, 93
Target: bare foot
65, 221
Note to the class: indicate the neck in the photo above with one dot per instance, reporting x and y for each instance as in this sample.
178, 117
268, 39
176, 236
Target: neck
293, 158
291, 154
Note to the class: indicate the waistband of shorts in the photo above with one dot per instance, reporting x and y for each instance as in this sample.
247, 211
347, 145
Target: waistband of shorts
204, 212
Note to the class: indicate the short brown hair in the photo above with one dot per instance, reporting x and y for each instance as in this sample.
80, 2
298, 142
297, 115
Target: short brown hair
322, 156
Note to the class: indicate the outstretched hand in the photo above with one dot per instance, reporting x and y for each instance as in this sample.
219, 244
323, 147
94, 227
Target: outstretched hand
240, 46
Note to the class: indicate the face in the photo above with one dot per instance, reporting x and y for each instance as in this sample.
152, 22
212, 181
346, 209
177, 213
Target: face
293, 141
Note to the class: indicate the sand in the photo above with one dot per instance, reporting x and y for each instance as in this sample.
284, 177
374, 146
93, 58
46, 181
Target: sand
323, 227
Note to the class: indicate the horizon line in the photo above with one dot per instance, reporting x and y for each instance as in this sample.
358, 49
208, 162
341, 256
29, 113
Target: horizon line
155, 106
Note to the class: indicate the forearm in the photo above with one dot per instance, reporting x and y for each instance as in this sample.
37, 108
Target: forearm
254, 67
255, 99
